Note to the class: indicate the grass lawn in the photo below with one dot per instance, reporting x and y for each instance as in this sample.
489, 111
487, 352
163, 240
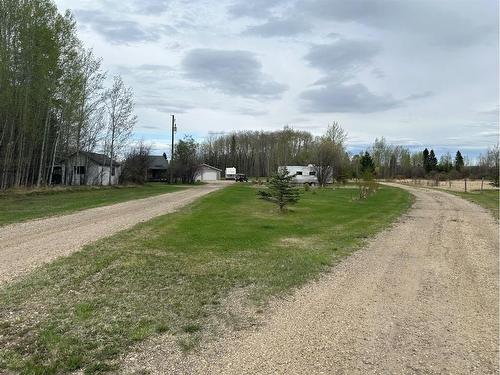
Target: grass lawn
21, 206
487, 198
173, 274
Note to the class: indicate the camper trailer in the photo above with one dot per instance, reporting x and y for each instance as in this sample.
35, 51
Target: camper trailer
301, 174
230, 173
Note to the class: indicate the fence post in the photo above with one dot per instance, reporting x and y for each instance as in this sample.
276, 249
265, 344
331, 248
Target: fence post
465, 180
482, 182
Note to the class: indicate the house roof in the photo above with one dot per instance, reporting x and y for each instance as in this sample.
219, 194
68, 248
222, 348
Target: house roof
100, 159
211, 167
157, 162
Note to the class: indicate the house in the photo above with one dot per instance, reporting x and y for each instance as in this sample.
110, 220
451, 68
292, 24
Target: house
302, 174
207, 172
87, 168
157, 168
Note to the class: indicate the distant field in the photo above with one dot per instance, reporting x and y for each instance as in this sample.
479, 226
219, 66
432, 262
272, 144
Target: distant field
174, 274
453, 185
19, 206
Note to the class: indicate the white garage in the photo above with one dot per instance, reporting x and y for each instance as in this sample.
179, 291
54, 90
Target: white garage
208, 173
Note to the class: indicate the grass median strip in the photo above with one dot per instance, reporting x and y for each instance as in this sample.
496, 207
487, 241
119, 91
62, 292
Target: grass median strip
22, 206
171, 274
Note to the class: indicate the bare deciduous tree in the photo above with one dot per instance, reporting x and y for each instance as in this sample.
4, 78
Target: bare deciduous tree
121, 119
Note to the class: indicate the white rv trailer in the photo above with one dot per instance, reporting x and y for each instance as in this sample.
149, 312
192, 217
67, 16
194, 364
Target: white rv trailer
301, 174
230, 173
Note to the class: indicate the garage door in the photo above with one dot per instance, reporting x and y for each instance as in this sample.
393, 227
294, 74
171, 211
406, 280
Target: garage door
210, 175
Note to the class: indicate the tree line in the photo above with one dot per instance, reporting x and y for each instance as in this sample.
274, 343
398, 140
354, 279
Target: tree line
390, 161
260, 153
53, 96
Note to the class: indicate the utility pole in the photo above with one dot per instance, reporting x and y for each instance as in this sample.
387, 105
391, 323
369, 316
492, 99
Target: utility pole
174, 129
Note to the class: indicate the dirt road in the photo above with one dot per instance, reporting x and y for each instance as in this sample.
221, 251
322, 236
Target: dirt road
421, 298
26, 245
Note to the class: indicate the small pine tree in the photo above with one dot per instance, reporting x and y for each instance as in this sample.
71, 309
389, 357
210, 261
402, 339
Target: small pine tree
280, 190
459, 161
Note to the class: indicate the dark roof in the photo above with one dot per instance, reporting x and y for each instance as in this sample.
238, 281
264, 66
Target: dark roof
100, 159
157, 162
211, 167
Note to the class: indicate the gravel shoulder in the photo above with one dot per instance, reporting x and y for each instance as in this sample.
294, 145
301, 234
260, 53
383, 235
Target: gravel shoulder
24, 246
420, 298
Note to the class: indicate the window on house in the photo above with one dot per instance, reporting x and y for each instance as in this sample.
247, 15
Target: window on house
312, 173
79, 169
298, 173
113, 171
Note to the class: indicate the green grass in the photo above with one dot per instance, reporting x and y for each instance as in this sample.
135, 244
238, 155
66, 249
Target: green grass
173, 274
21, 206
489, 199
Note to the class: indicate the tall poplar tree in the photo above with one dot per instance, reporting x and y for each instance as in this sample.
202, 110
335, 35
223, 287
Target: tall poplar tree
121, 119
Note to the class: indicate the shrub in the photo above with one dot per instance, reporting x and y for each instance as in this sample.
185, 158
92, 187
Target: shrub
367, 186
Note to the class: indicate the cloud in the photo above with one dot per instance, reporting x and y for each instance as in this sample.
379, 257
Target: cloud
146, 73
151, 6
420, 95
120, 31
251, 112
254, 8
279, 27
164, 105
231, 72
334, 92
342, 55
353, 98
448, 23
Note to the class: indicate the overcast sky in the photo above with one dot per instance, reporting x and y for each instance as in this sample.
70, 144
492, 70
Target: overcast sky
419, 72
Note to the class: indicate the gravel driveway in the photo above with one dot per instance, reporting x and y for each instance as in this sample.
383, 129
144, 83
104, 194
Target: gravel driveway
421, 298
26, 245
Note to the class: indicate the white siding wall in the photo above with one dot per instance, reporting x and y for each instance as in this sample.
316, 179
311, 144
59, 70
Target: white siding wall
95, 174
207, 174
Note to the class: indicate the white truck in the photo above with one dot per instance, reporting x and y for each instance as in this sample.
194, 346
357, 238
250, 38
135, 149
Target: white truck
230, 173
301, 174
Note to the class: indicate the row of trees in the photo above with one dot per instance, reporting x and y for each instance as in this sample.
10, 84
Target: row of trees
53, 99
258, 153
390, 161
261, 153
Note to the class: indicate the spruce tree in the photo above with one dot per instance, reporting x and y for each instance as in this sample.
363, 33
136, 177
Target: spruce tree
366, 163
459, 161
432, 161
425, 157
280, 190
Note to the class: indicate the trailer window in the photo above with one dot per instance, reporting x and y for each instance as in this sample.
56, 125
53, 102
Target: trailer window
298, 173
312, 173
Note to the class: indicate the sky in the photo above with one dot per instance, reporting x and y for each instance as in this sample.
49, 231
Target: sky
418, 72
